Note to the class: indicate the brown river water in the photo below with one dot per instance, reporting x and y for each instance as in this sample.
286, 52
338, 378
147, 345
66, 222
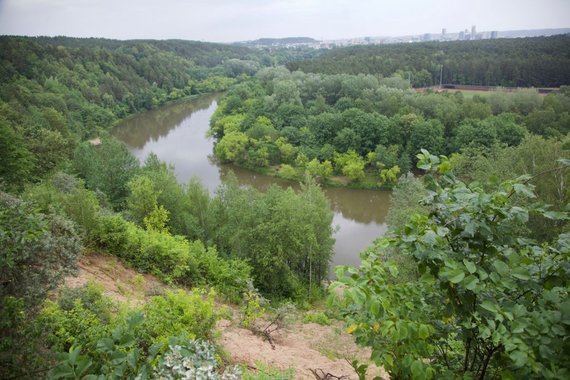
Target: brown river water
176, 133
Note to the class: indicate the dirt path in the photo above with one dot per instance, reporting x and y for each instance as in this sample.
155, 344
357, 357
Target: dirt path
302, 347
120, 283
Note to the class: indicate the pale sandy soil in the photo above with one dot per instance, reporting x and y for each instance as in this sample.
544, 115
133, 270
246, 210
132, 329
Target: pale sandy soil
302, 347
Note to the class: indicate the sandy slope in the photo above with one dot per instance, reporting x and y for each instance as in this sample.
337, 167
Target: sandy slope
303, 347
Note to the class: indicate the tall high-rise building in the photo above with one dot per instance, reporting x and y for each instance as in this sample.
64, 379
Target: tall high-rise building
461, 35
473, 32
443, 32
494, 34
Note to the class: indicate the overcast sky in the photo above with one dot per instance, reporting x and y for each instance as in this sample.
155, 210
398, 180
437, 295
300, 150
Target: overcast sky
238, 20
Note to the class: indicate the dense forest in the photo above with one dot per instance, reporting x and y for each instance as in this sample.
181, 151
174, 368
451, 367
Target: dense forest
471, 280
367, 129
518, 62
55, 92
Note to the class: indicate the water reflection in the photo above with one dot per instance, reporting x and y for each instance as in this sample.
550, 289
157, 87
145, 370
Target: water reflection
361, 206
177, 135
138, 130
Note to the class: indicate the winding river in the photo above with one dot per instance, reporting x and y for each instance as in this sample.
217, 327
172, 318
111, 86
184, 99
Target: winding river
177, 134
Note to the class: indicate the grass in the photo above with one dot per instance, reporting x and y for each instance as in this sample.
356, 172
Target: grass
265, 372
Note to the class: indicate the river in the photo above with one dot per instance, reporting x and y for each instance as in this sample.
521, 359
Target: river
176, 133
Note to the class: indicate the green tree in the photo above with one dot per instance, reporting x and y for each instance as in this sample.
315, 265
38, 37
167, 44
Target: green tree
107, 168
319, 169
143, 198
351, 165
232, 147
426, 135
389, 176
16, 161
489, 301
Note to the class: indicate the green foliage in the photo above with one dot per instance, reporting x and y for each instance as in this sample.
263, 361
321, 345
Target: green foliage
192, 359
90, 296
296, 118
534, 156
55, 92
119, 354
172, 258
157, 219
389, 176
108, 168
252, 307
317, 317
287, 171
132, 343
405, 201
180, 313
321, 170
489, 300
142, 198
232, 147
267, 373
74, 323
286, 237
66, 195
350, 164
38, 251
16, 161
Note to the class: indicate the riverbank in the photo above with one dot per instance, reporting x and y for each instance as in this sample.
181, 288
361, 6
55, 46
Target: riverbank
369, 182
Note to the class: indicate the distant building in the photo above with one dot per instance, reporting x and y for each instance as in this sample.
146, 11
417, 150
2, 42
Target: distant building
443, 32
461, 35
473, 32
494, 34
426, 37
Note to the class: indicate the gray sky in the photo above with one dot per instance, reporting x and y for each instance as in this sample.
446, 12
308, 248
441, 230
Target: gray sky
237, 20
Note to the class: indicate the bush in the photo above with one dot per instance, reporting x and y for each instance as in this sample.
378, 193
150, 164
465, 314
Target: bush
180, 313
287, 171
317, 317
194, 359
78, 325
172, 258
206, 267
133, 342
91, 298
38, 251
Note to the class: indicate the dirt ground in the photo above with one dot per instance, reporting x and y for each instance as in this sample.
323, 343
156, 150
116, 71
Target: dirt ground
302, 347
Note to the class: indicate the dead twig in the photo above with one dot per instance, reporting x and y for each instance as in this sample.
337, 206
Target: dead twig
322, 375
271, 328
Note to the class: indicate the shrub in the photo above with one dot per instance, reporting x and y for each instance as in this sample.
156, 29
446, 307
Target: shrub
206, 267
90, 297
37, 250
180, 313
78, 325
287, 171
172, 258
192, 359
317, 317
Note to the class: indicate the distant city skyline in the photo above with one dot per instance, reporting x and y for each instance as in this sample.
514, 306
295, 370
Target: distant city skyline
230, 20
